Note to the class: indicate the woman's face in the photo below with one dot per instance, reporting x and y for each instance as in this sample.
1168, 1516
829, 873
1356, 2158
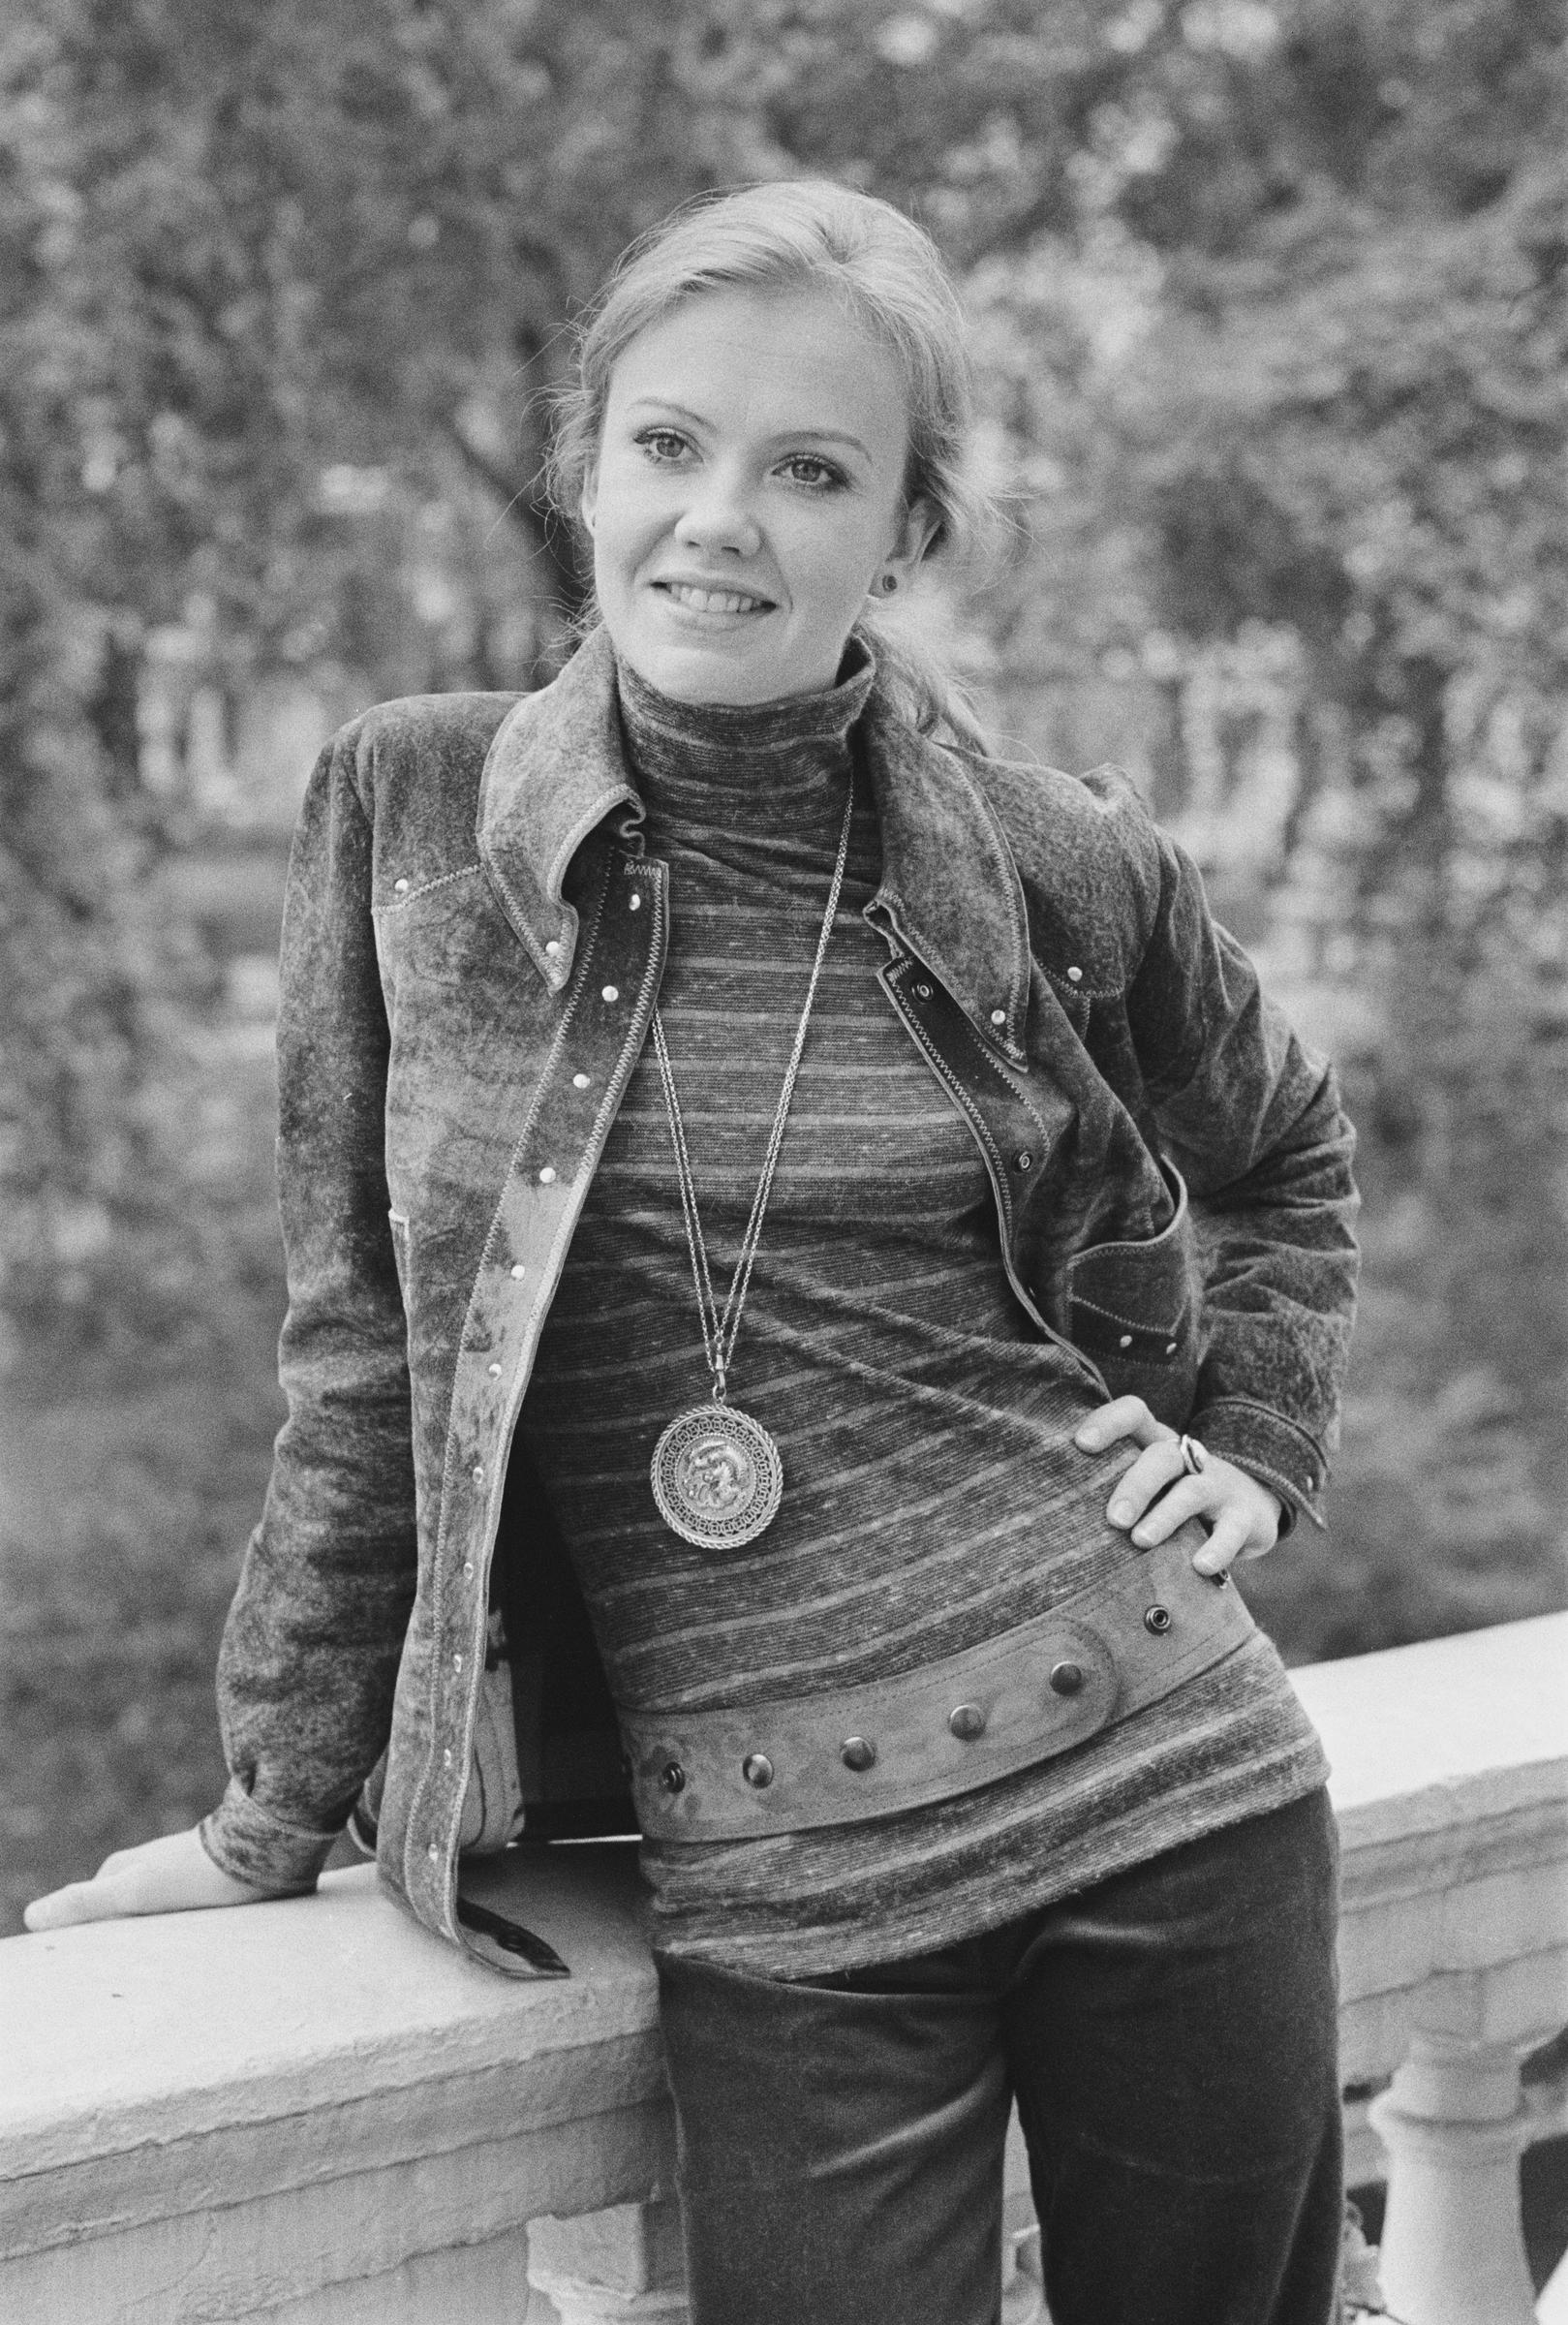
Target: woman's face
748, 491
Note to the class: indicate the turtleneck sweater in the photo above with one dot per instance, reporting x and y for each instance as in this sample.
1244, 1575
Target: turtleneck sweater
934, 1497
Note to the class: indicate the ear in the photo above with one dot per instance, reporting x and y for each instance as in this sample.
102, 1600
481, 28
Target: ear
587, 500
915, 530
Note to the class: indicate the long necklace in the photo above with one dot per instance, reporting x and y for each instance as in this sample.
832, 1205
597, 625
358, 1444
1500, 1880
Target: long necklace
716, 1475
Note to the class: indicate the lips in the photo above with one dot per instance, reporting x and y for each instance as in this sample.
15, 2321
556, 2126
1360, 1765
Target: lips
700, 597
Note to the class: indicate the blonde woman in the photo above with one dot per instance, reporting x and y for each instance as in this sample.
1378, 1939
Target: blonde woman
837, 1196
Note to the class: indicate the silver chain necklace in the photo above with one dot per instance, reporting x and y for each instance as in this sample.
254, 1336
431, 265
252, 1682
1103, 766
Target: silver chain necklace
716, 1475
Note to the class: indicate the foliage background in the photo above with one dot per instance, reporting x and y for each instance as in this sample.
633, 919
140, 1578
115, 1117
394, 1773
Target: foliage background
1271, 302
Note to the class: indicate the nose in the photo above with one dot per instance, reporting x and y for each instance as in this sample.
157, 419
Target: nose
717, 516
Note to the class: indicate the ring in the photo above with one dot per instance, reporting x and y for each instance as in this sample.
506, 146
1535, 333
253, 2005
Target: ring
1195, 1457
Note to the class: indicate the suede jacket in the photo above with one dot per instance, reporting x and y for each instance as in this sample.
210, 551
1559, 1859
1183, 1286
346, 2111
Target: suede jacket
473, 945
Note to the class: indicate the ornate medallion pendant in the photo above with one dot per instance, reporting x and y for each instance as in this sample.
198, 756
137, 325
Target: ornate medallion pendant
717, 1477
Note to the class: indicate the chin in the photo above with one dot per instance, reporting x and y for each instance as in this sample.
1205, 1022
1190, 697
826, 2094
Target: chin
726, 670
708, 674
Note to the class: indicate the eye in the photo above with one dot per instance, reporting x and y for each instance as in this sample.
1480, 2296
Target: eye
814, 472
663, 445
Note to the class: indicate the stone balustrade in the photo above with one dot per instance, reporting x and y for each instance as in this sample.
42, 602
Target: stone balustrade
312, 2111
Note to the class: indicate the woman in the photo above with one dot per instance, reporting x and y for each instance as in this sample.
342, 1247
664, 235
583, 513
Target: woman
731, 1118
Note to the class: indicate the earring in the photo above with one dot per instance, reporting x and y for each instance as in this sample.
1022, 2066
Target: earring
888, 584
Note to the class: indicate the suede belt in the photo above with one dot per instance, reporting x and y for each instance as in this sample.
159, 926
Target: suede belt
790, 1764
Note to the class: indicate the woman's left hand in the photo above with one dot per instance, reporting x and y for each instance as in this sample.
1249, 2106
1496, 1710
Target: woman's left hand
1242, 1516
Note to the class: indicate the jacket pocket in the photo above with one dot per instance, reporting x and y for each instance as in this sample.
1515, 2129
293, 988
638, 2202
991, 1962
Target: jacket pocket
1134, 1308
447, 934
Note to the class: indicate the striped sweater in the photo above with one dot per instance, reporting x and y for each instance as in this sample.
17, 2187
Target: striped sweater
934, 1497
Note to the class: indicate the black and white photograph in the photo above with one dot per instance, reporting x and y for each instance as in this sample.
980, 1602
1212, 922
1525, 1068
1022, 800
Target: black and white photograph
784, 1161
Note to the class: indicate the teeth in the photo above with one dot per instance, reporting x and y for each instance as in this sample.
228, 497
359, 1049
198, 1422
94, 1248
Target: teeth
713, 601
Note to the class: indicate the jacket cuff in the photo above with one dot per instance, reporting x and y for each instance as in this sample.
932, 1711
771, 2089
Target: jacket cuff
252, 1845
1269, 1449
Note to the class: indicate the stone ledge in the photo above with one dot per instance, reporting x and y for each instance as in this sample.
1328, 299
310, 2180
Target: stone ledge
229, 2032
1449, 1783
227, 2115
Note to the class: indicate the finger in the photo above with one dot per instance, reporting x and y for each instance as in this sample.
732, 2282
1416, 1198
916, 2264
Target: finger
1124, 1416
96, 1900
1190, 1498
1225, 1544
1154, 1468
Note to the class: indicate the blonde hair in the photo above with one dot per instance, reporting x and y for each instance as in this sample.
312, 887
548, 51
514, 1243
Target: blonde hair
792, 235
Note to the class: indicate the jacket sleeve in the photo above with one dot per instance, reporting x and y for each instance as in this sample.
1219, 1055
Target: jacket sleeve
1252, 1119
311, 1648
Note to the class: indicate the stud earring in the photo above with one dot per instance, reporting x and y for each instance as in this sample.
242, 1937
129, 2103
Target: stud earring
888, 585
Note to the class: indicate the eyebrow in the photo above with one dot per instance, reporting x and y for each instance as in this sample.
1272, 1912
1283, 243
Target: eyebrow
665, 403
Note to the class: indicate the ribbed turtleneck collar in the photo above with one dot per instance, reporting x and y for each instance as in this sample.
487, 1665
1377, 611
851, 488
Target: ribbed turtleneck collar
770, 764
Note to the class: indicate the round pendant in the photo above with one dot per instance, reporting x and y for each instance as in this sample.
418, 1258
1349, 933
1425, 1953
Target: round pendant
717, 1477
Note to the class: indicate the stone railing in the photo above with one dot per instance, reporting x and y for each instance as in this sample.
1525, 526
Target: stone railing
313, 2112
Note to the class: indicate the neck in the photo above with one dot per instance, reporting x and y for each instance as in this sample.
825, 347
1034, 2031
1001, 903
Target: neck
779, 762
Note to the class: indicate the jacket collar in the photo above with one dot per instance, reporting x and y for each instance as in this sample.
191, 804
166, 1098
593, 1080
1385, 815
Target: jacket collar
553, 772
950, 891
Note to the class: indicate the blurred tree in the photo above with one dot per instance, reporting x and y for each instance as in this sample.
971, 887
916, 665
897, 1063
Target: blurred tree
1378, 349
1269, 296
1347, 412
287, 290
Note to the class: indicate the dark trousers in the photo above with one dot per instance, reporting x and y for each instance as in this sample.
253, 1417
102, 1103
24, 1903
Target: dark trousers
1169, 2037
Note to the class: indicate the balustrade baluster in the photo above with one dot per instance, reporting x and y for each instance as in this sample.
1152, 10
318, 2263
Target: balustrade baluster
1455, 2125
625, 2264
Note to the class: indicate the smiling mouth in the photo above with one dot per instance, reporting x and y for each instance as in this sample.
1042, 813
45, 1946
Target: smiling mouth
697, 599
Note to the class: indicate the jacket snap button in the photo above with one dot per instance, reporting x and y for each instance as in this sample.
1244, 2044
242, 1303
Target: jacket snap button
1023, 1160
1067, 1677
494, 1371
478, 1472
967, 1721
1126, 1341
924, 991
400, 887
579, 1081
1076, 976
1157, 1619
858, 1753
998, 1016
547, 1175
611, 993
1170, 1347
433, 1853
673, 1776
757, 1770
517, 1271
553, 946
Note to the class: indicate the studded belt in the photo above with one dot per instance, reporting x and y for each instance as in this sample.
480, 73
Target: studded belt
790, 1764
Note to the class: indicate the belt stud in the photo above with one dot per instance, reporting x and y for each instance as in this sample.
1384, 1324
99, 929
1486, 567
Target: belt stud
757, 1770
1157, 1619
1067, 1677
858, 1753
967, 1721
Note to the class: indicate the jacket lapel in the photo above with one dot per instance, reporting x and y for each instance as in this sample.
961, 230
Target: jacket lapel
950, 889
